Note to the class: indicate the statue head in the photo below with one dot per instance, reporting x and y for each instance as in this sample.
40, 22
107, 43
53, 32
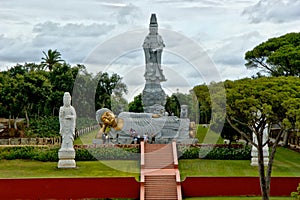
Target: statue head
153, 27
67, 99
106, 117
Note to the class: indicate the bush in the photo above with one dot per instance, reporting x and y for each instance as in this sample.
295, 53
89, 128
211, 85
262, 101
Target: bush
218, 152
47, 153
296, 195
49, 126
29, 152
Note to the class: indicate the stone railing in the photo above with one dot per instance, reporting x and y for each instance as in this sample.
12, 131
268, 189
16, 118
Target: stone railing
85, 130
44, 141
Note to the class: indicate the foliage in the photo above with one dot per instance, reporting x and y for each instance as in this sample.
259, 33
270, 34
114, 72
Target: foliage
30, 91
43, 127
136, 105
277, 56
46, 153
49, 126
215, 152
106, 153
296, 194
256, 104
107, 85
203, 96
51, 58
172, 105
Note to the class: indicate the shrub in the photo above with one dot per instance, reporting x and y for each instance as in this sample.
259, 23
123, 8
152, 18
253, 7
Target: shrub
296, 195
83, 153
218, 152
44, 153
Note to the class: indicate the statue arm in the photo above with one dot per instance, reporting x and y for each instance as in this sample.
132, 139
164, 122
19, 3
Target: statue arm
60, 120
74, 116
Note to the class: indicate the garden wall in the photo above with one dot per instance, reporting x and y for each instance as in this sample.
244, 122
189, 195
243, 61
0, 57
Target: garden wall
128, 187
236, 186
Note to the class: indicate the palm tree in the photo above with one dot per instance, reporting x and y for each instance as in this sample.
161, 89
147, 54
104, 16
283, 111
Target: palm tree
51, 58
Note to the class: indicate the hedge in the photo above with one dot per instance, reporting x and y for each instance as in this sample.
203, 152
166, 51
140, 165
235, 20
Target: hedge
124, 152
216, 152
47, 153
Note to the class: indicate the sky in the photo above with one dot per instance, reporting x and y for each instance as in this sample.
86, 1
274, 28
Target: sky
205, 40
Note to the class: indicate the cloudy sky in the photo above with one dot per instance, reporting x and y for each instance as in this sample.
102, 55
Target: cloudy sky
108, 34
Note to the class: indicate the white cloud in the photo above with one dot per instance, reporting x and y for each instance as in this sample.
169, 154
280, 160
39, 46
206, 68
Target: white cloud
276, 11
232, 50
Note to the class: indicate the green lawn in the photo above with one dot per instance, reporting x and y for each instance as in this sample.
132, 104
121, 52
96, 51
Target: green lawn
204, 135
287, 163
37, 169
86, 138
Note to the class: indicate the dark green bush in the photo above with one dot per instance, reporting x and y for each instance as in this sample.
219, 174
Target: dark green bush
47, 153
29, 152
217, 152
49, 126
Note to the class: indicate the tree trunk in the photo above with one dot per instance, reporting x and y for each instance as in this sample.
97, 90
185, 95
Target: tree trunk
261, 167
9, 125
271, 159
15, 124
27, 118
285, 138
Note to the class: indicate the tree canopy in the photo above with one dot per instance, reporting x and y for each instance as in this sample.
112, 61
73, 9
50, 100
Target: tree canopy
29, 90
277, 56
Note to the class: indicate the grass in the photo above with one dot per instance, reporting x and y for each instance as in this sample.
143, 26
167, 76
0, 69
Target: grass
287, 163
86, 138
37, 169
207, 136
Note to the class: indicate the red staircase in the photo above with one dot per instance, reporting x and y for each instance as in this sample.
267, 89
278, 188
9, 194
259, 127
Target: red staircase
160, 178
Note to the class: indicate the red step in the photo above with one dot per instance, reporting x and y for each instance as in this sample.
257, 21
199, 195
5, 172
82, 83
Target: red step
159, 174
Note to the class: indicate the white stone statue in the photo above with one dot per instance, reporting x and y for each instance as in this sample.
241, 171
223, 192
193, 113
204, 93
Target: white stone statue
67, 121
254, 151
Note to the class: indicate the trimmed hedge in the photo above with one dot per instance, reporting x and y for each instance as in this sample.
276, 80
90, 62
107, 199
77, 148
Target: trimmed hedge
215, 152
46, 153
124, 152
39, 153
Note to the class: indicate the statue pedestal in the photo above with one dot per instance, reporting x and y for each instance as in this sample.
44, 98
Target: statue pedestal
254, 155
66, 158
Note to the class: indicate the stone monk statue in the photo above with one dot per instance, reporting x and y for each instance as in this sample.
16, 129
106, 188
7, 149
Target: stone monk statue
153, 46
67, 121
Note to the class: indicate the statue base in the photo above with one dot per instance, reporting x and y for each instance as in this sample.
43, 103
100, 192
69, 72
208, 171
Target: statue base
66, 158
254, 161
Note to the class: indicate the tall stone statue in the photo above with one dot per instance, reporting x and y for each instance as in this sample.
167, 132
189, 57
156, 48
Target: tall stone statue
153, 94
67, 121
153, 47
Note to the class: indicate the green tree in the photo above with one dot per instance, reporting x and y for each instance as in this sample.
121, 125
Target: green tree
106, 87
136, 105
257, 104
51, 58
62, 79
172, 105
277, 56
